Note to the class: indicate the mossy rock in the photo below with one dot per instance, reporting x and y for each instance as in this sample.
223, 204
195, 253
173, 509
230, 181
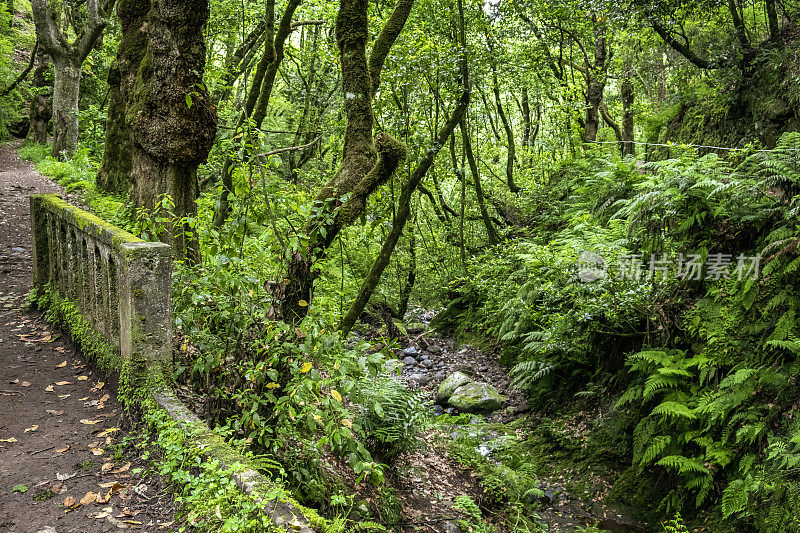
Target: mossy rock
450, 384
475, 397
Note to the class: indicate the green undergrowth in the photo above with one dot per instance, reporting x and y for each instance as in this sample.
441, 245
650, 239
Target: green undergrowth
699, 374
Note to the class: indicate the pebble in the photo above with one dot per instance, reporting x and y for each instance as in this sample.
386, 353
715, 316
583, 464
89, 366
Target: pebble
409, 360
427, 363
411, 350
421, 379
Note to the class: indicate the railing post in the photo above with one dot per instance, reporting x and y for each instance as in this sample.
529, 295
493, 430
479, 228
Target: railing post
145, 306
41, 252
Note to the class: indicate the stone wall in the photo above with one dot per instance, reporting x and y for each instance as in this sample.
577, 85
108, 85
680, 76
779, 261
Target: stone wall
120, 284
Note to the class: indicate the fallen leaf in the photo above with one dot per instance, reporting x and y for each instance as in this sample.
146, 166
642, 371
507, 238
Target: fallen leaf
69, 501
53, 412
32, 428
62, 383
64, 477
64, 450
108, 431
98, 386
123, 468
89, 422
59, 488
49, 388
14, 381
22, 489
97, 451
133, 522
62, 396
105, 398
83, 378
103, 499
26, 383
62, 365
10, 439
89, 498
83, 399
106, 512
106, 467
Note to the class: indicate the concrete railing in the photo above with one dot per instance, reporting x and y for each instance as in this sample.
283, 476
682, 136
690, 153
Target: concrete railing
120, 284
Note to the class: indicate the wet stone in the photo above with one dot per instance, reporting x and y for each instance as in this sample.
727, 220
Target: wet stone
409, 360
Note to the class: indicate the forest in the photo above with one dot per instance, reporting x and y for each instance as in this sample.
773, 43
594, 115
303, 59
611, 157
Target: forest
452, 265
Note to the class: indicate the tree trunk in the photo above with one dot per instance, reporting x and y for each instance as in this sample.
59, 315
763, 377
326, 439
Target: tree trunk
512, 149
169, 111
627, 94
408, 286
39, 116
595, 85
66, 93
772, 18
366, 164
68, 59
116, 168
487, 222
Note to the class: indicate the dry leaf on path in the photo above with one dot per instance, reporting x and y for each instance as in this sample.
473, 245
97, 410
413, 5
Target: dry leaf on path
98, 386
49, 388
64, 477
89, 498
83, 378
62, 365
26, 383
62, 383
69, 501
106, 467
123, 468
89, 422
32, 428
54, 412
10, 439
64, 450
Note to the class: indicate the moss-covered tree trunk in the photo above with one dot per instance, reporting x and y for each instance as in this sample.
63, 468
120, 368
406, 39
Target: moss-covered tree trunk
595, 85
366, 163
115, 171
172, 121
627, 94
404, 204
68, 60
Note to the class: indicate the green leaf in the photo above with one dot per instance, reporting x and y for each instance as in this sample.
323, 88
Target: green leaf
20, 488
188, 100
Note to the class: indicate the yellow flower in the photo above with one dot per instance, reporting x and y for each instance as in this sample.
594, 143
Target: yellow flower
272, 385
346, 423
336, 395
306, 367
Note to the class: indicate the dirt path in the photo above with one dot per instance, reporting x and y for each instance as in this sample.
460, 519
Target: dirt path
60, 424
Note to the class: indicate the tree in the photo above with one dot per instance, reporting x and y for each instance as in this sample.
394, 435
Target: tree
68, 61
169, 124
366, 163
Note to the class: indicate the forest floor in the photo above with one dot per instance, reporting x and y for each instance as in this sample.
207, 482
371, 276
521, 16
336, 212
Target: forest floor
63, 465
573, 497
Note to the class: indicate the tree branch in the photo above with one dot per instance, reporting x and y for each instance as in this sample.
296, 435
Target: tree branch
391, 30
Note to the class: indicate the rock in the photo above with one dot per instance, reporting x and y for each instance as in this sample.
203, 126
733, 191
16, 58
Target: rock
427, 363
449, 385
434, 349
483, 368
440, 375
476, 397
410, 351
420, 379
437, 409
451, 527
408, 360
424, 357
